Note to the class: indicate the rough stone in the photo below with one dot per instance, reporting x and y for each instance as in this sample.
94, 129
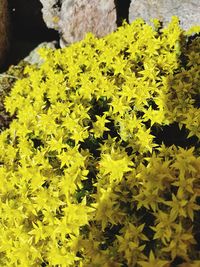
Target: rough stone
4, 30
34, 57
187, 10
74, 18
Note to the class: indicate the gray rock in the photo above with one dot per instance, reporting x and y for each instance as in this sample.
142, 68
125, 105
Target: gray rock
34, 57
4, 25
188, 11
74, 18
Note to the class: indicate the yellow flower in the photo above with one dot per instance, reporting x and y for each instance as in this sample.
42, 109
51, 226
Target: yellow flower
154, 262
99, 126
116, 165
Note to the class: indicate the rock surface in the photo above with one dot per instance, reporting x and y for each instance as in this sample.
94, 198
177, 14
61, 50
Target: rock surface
188, 11
74, 18
34, 57
4, 25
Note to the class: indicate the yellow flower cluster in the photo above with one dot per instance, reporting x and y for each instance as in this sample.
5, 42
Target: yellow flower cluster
83, 181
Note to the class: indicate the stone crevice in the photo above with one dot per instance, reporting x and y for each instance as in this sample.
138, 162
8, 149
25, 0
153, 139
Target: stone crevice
122, 10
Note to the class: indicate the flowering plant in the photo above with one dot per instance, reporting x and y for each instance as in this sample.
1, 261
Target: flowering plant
85, 179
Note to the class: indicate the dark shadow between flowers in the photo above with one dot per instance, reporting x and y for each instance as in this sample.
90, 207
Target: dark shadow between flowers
173, 135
